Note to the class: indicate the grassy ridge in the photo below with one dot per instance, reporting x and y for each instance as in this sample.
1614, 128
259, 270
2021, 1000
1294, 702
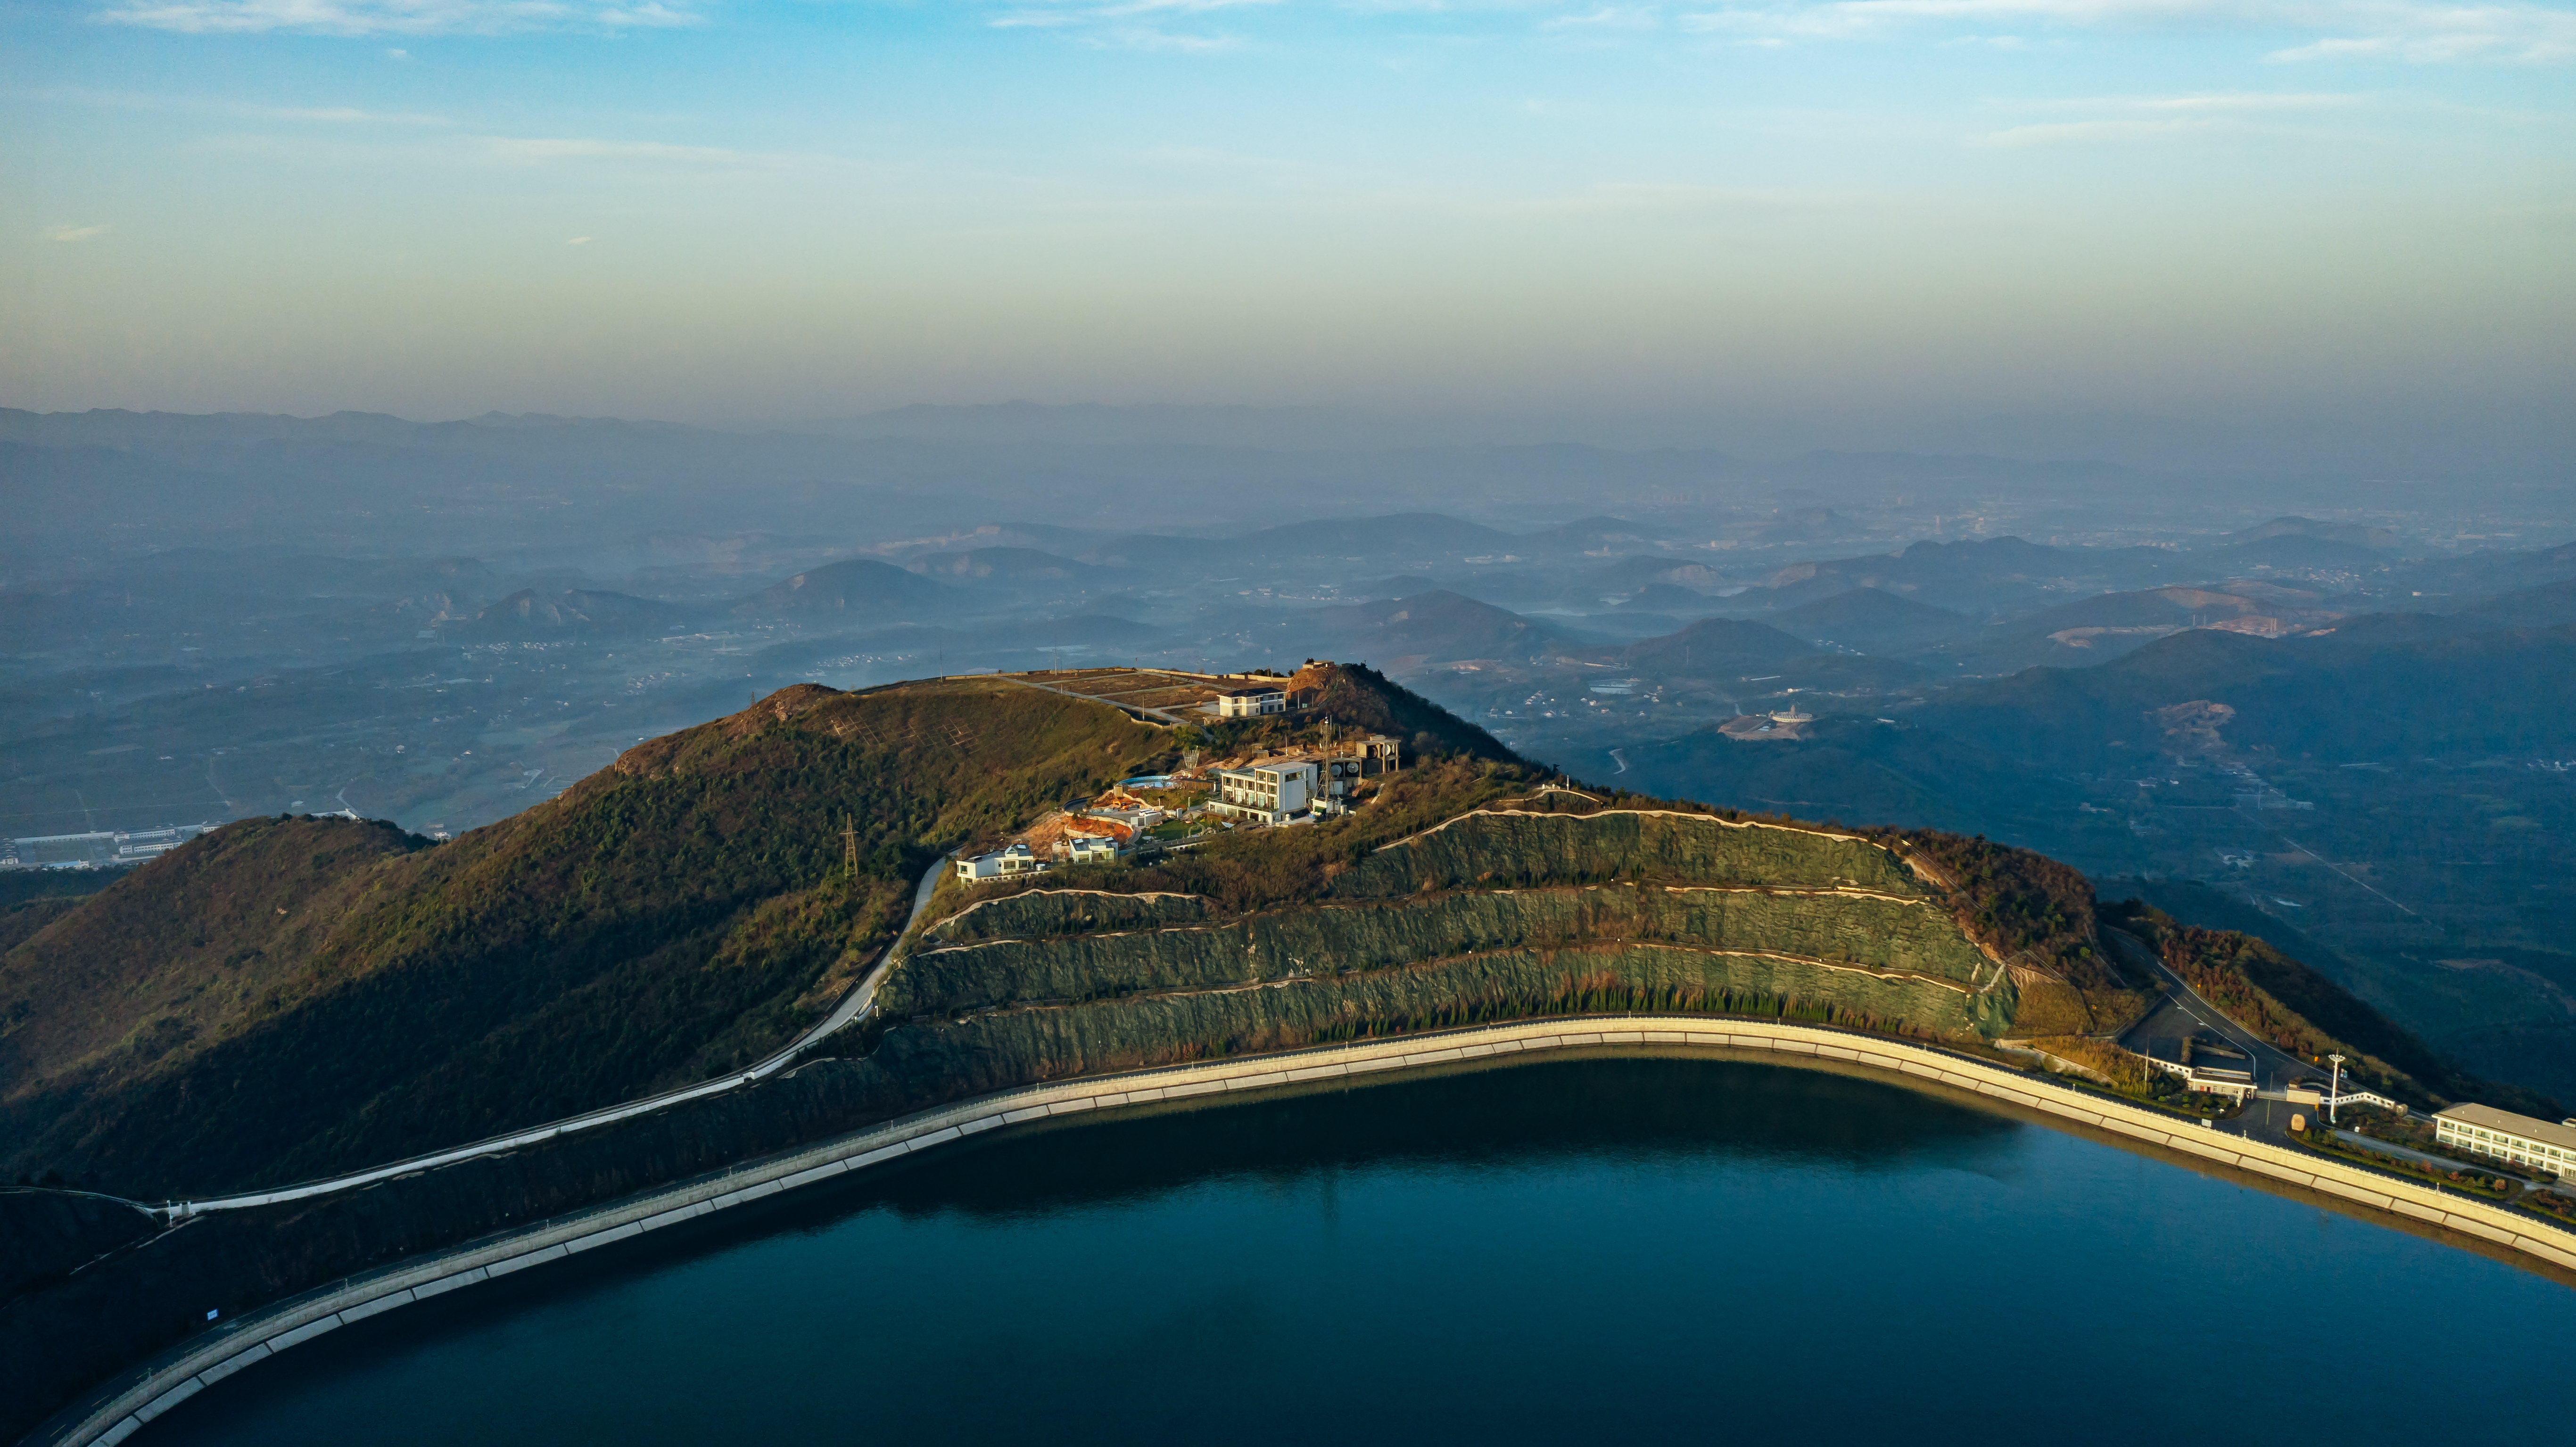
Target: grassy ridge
677, 914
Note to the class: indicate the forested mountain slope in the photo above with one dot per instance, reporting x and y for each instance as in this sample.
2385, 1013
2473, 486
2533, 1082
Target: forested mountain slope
290, 997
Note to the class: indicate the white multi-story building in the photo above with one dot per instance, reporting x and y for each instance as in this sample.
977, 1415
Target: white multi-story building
1268, 793
1249, 702
1000, 864
2517, 1139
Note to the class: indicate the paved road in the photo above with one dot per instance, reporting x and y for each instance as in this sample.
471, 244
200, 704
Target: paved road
2273, 1067
864, 997
851, 1007
2269, 1060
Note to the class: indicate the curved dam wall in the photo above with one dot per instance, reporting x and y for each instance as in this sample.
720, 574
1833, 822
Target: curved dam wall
126, 1409
1492, 916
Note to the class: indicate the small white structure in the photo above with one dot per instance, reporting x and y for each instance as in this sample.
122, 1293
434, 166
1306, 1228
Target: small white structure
2518, 1139
1267, 793
1249, 702
1000, 864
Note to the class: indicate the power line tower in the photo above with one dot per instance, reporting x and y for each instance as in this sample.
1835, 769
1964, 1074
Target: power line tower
850, 847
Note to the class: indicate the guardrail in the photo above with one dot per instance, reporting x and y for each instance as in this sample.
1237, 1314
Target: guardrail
119, 1411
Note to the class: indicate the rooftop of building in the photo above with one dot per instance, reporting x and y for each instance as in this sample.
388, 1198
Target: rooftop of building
2486, 1117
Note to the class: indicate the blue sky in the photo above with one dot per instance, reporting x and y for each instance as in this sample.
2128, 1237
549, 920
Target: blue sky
735, 212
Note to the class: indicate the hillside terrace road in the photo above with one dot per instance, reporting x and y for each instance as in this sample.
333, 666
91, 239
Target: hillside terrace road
852, 1006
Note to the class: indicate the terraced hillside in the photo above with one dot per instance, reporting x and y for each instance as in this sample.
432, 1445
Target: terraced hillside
1505, 911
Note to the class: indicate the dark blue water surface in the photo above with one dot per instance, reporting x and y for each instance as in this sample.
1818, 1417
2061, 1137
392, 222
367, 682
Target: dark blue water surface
1698, 1249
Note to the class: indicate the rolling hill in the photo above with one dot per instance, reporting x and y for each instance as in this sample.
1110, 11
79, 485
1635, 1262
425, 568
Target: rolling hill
865, 589
295, 996
2373, 688
1870, 620
1436, 626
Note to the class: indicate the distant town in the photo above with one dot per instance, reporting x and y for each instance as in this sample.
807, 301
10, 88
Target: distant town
100, 848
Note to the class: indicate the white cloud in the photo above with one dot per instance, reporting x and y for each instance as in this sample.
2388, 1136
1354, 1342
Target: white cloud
2136, 119
2227, 102
2422, 31
73, 233
578, 240
340, 116
1681, 198
541, 150
653, 16
1128, 24
1608, 17
2056, 133
2464, 33
388, 17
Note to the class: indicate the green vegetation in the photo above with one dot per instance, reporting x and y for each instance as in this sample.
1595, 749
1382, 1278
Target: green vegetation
682, 912
2119, 1068
20, 886
2032, 907
292, 997
19, 922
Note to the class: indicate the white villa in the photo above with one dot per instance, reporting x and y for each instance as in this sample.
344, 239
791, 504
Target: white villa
1267, 793
1018, 859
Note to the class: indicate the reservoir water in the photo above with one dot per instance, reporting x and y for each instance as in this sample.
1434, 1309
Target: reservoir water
1691, 1248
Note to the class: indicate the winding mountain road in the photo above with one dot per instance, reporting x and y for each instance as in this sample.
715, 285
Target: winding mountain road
854, 1005
2283, 1067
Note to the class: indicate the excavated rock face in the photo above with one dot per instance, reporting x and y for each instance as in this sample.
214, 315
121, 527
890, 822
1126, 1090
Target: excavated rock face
1492, 915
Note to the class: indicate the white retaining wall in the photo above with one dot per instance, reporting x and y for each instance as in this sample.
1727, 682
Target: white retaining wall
263, 1334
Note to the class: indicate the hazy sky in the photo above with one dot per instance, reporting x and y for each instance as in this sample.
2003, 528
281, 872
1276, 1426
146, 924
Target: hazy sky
734, 212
